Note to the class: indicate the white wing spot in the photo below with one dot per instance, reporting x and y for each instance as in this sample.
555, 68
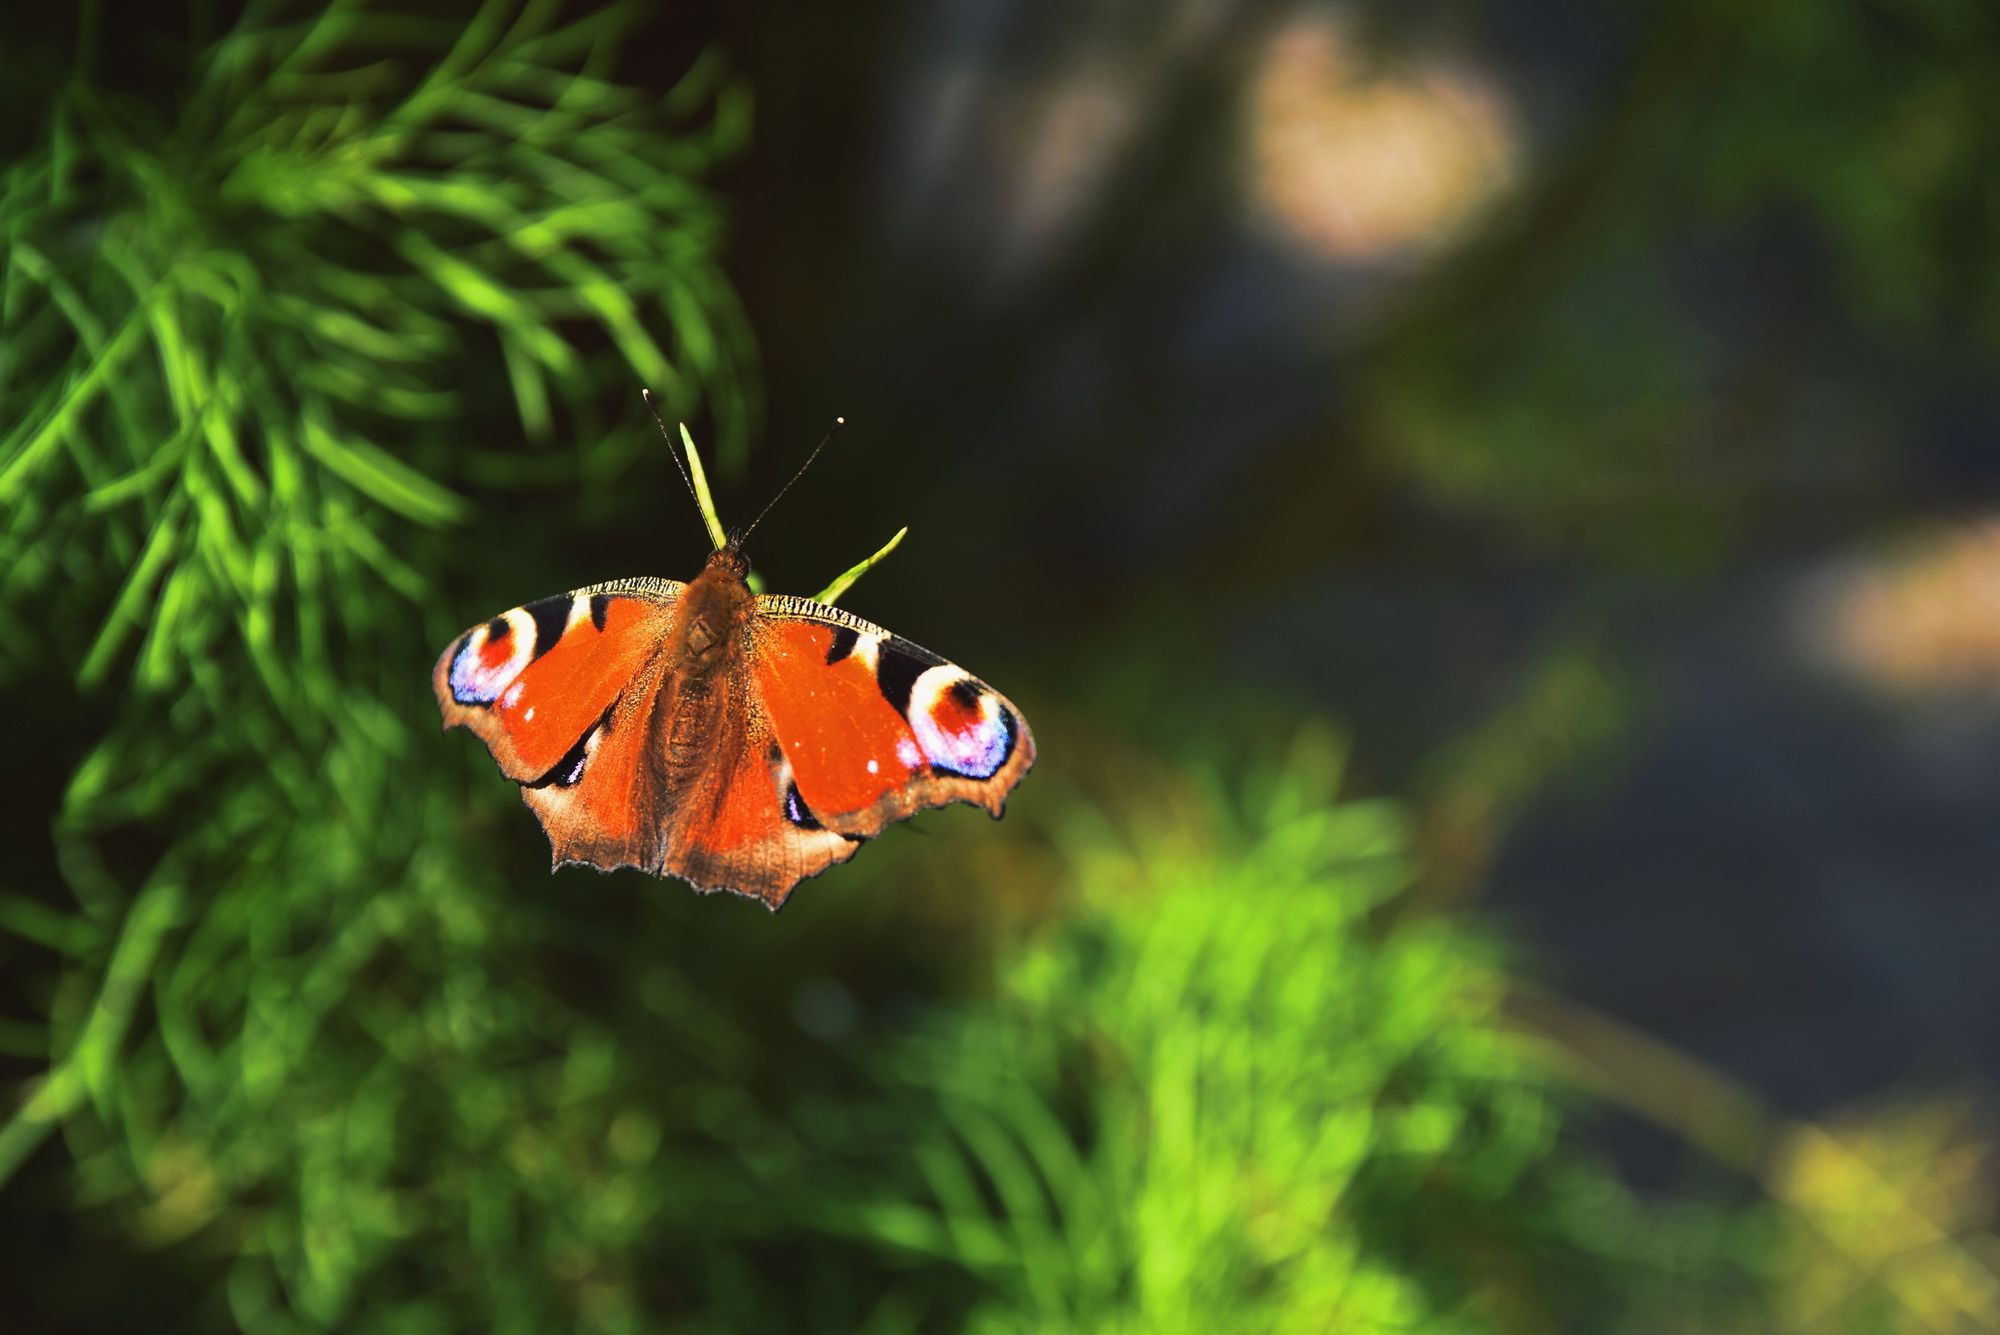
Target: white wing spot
472, 680
979, 747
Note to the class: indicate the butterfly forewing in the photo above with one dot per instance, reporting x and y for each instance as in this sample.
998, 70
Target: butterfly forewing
876, 728
532, 682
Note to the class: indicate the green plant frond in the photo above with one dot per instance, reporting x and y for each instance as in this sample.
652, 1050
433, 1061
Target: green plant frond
832, 592
240, 388
379, 475
124, 617
191, 327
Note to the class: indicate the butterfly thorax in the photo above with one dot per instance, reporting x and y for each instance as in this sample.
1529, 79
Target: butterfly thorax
714, 613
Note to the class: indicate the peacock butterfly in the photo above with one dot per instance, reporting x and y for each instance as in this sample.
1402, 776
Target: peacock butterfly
738, 741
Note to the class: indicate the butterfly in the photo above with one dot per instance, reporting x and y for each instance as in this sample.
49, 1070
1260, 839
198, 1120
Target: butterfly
735, 740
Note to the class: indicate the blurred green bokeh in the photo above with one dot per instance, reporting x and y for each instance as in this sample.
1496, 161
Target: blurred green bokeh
299, 1037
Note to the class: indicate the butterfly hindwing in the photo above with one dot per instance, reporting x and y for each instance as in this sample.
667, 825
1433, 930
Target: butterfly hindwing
599, 804
620, 799
752, 835
873, 727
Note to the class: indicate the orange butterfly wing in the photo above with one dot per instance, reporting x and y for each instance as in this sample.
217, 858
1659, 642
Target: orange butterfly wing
746, 839
873, 728
533, 682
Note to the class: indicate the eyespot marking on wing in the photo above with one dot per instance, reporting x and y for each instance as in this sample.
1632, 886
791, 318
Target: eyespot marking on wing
797, 812
961, 726
492, 655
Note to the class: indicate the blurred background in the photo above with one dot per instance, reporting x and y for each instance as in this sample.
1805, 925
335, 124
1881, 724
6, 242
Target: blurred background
1490, 507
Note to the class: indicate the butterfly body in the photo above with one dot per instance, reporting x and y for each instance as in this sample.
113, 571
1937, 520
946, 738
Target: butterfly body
736, 741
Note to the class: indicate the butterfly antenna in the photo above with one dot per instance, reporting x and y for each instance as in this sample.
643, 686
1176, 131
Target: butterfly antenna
654, 408
831, 432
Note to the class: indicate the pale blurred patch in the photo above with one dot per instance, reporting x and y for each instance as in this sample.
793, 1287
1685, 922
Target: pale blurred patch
182, 1192
1920, 619
1077, 125
1900, 1197
1356, 159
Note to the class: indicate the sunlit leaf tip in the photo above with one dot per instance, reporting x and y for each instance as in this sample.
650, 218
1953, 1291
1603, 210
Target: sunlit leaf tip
702, 496
846, 580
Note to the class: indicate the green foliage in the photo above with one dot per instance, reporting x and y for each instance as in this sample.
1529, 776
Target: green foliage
242, 346
237, 345
1215, 1097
